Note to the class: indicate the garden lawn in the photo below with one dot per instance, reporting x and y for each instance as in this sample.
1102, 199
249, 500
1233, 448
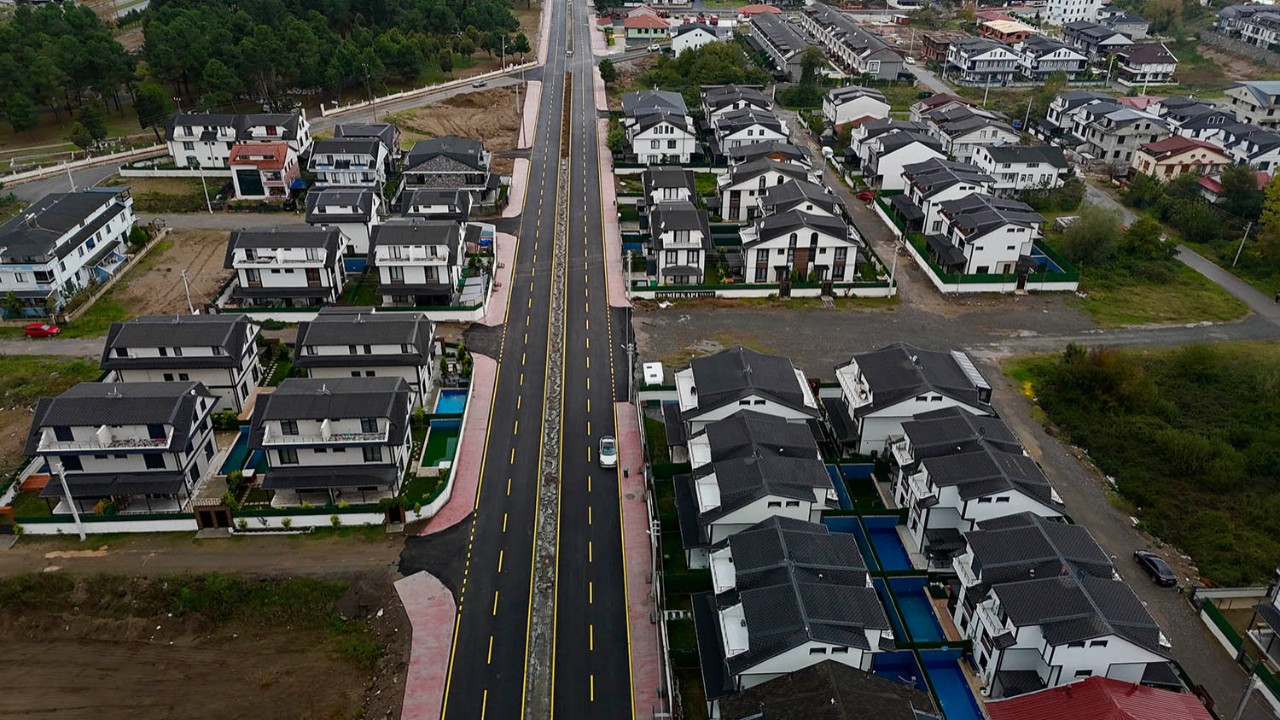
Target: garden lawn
1115, 300
1191, 436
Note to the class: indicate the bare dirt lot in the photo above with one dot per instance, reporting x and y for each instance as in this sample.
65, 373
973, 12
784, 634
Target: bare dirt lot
107, 647
159, 291
488, 115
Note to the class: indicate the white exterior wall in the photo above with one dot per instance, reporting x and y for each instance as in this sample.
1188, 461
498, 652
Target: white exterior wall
889, 167
777, 251
286, 267
931, 207
418, 378
188, 150
673, 143
761, 510
801, 657
962, 147
750, 136
1013, 177
853, 109
749, 192
231, 386
690, 41
364, 171
1061, 12
73, 267
998, 250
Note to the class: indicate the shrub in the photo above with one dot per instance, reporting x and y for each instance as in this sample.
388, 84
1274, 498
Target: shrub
335, 521
286, 523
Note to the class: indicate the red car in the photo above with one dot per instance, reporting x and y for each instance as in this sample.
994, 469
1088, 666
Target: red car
867, 195
39, 330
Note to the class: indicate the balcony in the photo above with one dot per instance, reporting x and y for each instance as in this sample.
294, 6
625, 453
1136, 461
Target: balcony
919, 490
104, 440
274, 438
246, 260
989, 619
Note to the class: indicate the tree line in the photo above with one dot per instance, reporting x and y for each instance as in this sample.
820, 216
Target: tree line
277, 54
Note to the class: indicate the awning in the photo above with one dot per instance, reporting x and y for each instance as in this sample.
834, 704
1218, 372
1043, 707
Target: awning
948, 254
88, 486
906, 209
673, 424
308, 478
841, 424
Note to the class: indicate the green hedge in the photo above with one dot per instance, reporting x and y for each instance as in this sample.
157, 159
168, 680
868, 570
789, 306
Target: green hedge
666, 471
689, 581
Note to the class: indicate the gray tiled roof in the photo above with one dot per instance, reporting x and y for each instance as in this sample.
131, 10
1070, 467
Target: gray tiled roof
942, 432
345, 146
361, 199
936, 174
417, 231
91, 404
747, 171
733, 374
718, 96
335, 399
644, 102
1047, 154
285, 236
978, 214
757, 150
793, 194
902, 138
675, 216
785, 550
229, 332
34, 231
1071, 608
657, 177
343, 326
747, 479
987, 470
457, 201
852, 92
462, 150
287, 123
657, 117
902, 370
747, 433
829, 690
386, 133
736, 120
775, 225
1026, 546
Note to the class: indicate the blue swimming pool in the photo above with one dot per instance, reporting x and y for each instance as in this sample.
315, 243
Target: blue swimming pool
451, 402
882, 531
950, 685
1044, 261
238, 454
913, 601
899, 667
899, 630
841, 490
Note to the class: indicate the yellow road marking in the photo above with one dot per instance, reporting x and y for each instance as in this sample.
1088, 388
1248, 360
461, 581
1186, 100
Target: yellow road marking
484, 700
591, 637
593, 691
513, 456
495, 603
522, 357
489, 661
590, 558
588, 399
591, 593
504, 522
589, 516
508, 489
501, 554
588, 428
516, 430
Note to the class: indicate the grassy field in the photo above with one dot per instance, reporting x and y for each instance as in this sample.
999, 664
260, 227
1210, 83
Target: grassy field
169, 195
1263, 277
1117, 301
27, 378
901, 96
1191, 436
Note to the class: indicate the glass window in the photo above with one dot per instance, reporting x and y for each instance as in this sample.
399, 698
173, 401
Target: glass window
373, 454
288, 456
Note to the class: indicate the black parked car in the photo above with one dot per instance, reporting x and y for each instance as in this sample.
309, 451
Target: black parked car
1156, 568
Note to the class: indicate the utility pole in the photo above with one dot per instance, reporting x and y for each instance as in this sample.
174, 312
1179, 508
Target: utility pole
1247, 228
60, 471
1248, 695
629, 274
502, 59
186, 287
205, 185
369, 89
71, 179
986, 91
1026, 119
520, 109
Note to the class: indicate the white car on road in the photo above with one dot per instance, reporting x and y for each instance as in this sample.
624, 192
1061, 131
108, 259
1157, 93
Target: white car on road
608, 452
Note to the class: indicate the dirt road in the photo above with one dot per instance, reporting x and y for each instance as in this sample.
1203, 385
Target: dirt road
324, 555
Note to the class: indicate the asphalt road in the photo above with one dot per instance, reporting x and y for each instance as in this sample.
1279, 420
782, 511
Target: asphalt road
487, 665
591, 668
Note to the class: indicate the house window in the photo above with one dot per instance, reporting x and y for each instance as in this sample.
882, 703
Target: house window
673, 257
984, 500
1083, 673
775, 503
691, 257
839, 651
1002, 499
184, 376
288, 456
71, 462
655, 144
818, 651
1098, 643
154, 461
368, 425
289, 427
671, 144
793, 503
1078, 644
372, 454
188, 146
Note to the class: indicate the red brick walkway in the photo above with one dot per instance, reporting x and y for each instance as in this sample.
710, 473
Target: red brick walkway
466, 463
431, 611
645, 663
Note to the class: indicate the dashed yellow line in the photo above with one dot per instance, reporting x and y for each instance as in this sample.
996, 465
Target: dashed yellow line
495, 603
504, 522
501, 555
489, 660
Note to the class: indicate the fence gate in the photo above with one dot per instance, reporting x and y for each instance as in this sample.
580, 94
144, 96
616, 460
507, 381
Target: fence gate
211, 514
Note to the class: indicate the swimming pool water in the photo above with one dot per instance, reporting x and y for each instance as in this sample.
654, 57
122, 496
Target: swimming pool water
950, 685
917, 611
883, 534
451, 402
238, 454
899, 667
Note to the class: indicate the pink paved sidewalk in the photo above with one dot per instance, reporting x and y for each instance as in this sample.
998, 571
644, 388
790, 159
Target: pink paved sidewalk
519, 183
532, 98
612, 233
646, 673
466, 463
544, 32
496, 312
431, 611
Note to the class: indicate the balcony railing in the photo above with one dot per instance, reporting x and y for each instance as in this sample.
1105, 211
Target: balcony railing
274, 438
113, 444
275, 260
